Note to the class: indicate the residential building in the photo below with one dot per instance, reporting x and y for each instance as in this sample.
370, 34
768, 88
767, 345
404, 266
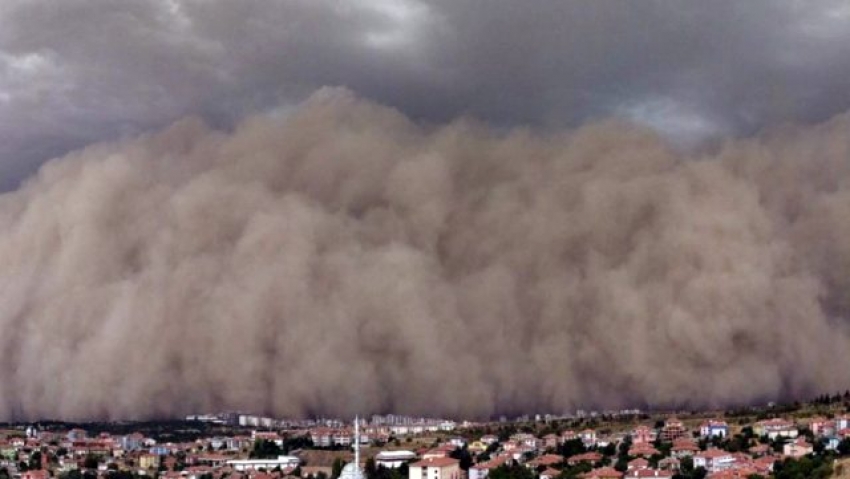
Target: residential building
714, 428
437, 468
798, 448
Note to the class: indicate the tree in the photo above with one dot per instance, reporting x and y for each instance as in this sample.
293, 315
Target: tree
571, 448
371, 468
35, 461
264, 449
816, 467
514, 471
336, 468
72, 474
844, 447
91, 462
463, 456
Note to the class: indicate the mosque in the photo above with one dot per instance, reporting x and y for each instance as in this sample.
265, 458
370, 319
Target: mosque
352, 470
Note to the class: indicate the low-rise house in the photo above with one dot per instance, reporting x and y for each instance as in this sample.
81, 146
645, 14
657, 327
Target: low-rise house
441, 451
643, 449
818, 424
546, 460
480, 471
773, 428
798, 448
550, 473
714, 459
439, 468
476, 447
831, 443
842, 422
669, 464
714, 428
591, 457
759, 450
602, 473
649, 473
683, 448
588, 437
149, 461
37, 474
457, 442
550, 441
643, 435
314, 471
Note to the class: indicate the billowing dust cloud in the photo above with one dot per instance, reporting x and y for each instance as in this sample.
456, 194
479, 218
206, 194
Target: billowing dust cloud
345, 259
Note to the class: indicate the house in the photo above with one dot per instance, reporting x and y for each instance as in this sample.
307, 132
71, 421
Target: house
832, 443
643, 435
314, 471
591, 457
683, 447
480, 471
148, 461
214, 460
649, 473
842, 422
817, 425
442, 451
438, 468
476, 447
714, 460
457, 442
546, 460
798, 448
669, 464
588, 437
602, 473
550, 473
759, 450
773, 428
714, 428
639, 463
549, 441
38, 474
643, 449
525, 439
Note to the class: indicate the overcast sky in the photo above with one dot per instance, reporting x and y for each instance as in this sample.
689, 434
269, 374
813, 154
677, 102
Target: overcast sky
77, 71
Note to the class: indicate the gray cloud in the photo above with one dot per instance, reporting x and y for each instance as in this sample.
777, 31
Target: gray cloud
344, 259
78, 71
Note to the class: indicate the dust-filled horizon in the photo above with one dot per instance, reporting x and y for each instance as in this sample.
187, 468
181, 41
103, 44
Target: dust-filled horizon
342, 258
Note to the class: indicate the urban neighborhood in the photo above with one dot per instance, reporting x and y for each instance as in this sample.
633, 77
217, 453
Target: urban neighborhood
797, 441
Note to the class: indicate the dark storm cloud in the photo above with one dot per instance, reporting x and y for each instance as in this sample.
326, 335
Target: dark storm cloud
76, 71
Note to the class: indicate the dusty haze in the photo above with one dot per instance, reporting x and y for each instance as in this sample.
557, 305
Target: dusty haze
344, 259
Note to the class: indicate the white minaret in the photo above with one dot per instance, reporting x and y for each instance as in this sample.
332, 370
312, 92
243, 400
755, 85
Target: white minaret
357, 442
352, 470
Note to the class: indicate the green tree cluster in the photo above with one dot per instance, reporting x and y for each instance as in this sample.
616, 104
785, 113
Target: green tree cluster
264, 449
